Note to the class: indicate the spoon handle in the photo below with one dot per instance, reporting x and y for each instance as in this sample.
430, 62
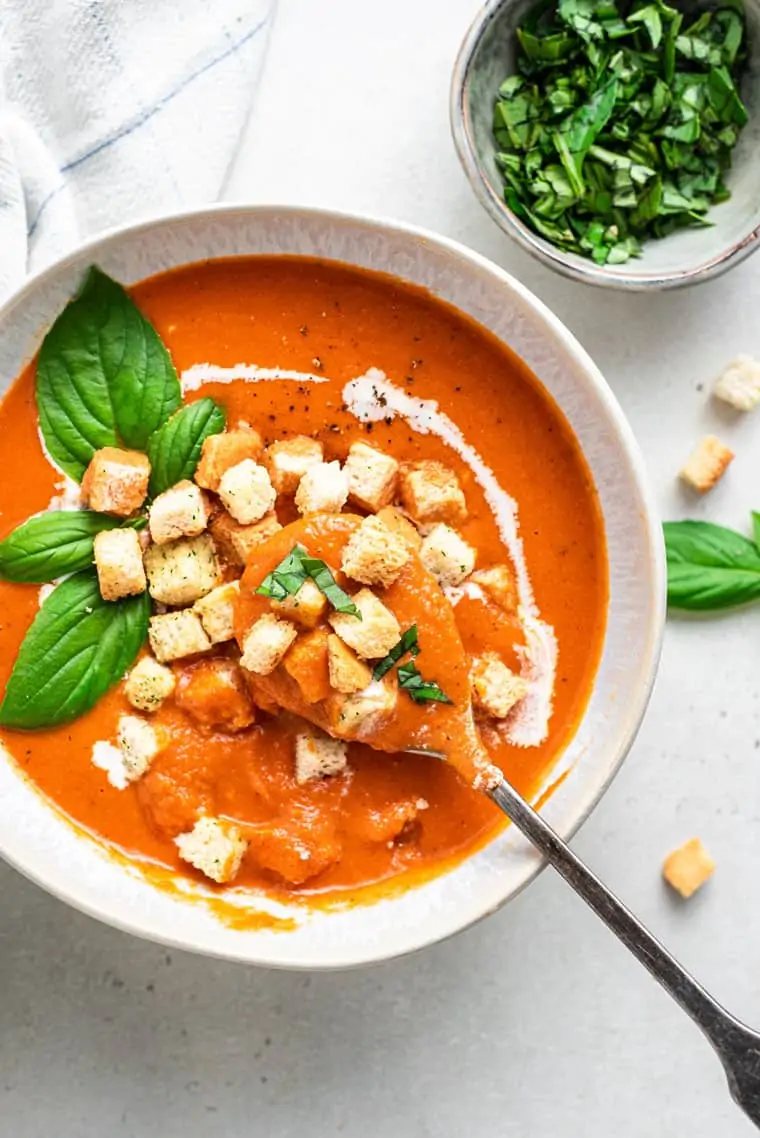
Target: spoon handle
737, 1046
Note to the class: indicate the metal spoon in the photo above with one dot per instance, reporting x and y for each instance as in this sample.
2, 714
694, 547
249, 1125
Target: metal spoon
737, 1046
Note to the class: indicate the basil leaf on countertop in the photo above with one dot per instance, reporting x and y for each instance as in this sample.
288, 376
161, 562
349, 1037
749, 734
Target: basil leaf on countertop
104, 377
709, 566
51, 545
175, 449
77, 647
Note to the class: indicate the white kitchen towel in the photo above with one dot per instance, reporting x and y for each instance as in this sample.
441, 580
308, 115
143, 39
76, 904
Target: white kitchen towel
112, 110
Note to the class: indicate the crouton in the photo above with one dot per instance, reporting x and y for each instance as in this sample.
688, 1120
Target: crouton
706, 464
374, 554
217, 612
176, 634
375, 634
306, 663
688, 868
265, 644
430, 492
222, 451
362, 714
495, 688
348, 674
215, 695
215, 847
235, 542
139, 745
322, 490
372, 477
119, 562
149, 684
499, 584
247, 492
447, 555
116, 481
288, 460
739, 384
183, 571
318, 756
398, 524
306, 607
181, 511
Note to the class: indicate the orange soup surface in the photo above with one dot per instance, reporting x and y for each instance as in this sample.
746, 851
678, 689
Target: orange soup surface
389, 819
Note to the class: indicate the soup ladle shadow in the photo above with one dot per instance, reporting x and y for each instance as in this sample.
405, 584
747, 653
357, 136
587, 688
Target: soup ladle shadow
737, 1046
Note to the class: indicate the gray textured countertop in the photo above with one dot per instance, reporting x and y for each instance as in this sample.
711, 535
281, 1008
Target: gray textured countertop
536, 1023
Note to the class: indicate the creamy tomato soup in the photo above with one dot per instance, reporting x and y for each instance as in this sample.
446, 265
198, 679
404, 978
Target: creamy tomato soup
315, 605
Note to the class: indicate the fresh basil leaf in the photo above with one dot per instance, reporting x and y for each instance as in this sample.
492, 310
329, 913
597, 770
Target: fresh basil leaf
51, 545
104, 377
175, 448
756, 529
419, 690
407, 643
325, 582
77, 647
286, 578
709, 566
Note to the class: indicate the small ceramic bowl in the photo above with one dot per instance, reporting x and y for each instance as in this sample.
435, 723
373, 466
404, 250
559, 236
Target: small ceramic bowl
48, 848
485, 59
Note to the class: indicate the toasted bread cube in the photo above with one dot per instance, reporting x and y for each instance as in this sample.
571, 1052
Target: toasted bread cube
322, 490
706, 464
447, 555
217, 612
266, 643
181, 511
288, 460
499, 584
215, 695
430, 492
688, 868
306, 663
739, 384
235, 542
183, 571
149, 684
139, 744
318, 756
247, 492
374, 554
215, 847
495, 688
348, 674
221, 452
176, 634
372, 477
360, 715
375, 634
306, 607
399, 524
119, 562
116, 481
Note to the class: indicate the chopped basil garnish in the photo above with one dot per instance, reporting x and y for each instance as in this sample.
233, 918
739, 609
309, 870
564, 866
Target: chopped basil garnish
287, 578
421, 691
407, 643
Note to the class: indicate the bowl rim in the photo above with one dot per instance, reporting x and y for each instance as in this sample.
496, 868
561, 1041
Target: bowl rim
654, 617
509, 223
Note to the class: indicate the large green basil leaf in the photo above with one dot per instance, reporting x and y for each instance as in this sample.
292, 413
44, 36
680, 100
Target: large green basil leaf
175, 449
51, 545
709, 566
103, 376
77, 647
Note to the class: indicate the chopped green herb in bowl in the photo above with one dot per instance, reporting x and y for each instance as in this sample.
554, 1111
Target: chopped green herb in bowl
618, 124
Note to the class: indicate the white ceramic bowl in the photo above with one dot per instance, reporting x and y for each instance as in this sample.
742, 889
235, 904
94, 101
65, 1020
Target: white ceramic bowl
75, 867
487, 56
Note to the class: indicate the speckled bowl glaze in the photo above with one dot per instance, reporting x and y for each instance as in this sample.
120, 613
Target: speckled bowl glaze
487, 56
79, 869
